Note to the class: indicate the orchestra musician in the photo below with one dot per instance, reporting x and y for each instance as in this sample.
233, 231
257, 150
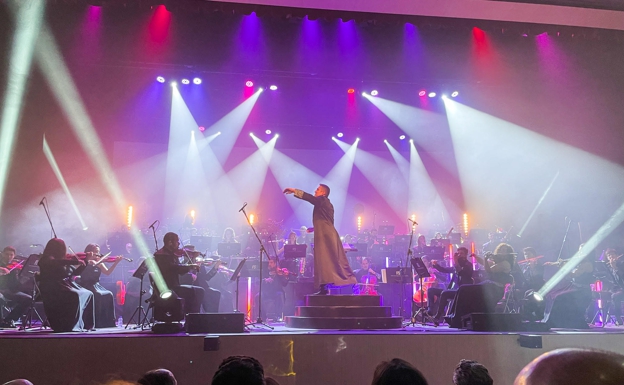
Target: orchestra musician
68, 306
615, 264
462, 275
229, 236
9, 287
292, 240
212, 296
104, 300
366, 276
303, 238
533, 271
273, 289
499, 267
331, 265
168, 261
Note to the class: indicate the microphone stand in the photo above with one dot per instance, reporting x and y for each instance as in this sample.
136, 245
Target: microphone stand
44, 203
154, 234
259, 321
565, 236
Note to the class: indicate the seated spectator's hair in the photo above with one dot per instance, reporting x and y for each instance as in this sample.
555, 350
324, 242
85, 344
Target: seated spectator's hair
119, 382
470, 372
574, 366
270, 381
19, 381
397, 372
236, 370
158, 377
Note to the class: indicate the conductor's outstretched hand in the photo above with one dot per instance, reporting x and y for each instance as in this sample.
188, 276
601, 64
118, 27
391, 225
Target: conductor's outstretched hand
289, 190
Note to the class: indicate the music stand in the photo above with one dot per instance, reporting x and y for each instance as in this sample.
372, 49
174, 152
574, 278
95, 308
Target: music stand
422, 272
295, 251
236, 277
228, 249
28, 271
139, 273
385, 230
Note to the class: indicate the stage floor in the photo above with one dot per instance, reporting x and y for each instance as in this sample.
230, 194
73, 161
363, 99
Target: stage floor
292, 356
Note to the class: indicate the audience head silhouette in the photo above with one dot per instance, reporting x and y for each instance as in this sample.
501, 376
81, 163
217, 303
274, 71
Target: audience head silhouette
573, 366
470, 372
158, 377
236, 370
397, 372
19, 381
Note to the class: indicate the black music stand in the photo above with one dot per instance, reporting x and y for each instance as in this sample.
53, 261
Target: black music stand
29, 270
139, 273
228, 249
236, 277
295, 251
385, 230
422, 272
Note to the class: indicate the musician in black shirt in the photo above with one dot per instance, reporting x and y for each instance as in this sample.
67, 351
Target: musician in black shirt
10, 294
615, 264
462, 275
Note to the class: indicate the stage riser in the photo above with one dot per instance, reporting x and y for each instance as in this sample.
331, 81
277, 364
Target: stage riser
343, 300
344, 311
344, 323
292, 358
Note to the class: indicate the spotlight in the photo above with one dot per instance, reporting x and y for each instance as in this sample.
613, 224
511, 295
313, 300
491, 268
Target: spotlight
334, 139
174, 84
351, 91
357, 139
412, 141
268, 132
249, 83
374, 93
166, 294
340, 135
202, 128
385, 140
454, 94
276, 135
160, 79
197, 81
402, 137
251, 134
432, 94
422, 93
186, 81
273, 87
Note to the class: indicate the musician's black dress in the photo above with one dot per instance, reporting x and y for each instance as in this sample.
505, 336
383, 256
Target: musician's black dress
104, 299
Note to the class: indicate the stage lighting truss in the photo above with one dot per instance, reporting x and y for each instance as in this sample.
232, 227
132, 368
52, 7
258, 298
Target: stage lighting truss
185, 81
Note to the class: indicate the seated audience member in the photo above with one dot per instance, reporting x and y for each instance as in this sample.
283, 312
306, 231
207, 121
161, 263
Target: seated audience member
470, 372
574, 366
236, 370
158, 377
19, 381
397, 372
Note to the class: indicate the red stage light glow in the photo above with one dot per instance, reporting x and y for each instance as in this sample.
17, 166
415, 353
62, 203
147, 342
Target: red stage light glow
351, 91
422, 93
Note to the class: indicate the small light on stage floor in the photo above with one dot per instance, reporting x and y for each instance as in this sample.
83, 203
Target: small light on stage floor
166, 294
186, 81
273, 87
249, 83
432, 94
268, 132
160, 79
402, 137
340, 135
374, 93
202, 128
351, 91
454, 94
197, 81
422, 93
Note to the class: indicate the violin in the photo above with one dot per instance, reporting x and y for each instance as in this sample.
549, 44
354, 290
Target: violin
16, 264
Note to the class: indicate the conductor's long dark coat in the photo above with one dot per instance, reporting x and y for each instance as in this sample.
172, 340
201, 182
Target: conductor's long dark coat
330, 261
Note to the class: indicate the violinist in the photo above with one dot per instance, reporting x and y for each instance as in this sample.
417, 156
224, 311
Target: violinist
10, 295
68, 306
615, 264
104, 300
168, 261
273, 289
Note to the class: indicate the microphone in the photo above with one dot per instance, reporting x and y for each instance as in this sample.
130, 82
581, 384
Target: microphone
42, 199
152, 225
243, 208
414, 222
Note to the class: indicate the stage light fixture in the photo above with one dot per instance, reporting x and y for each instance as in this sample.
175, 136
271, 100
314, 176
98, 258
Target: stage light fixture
273, 88
129, 216
422, 93
268, 132
166, 294
202, 128
251, 134
351, 91
276, 136
197, 81
160, 79
402, 137
186, 81
340, 135
432, 94
357, 139
174, 84
249, 83
412, 141
385, 140
454, 94
334, 139
374, 93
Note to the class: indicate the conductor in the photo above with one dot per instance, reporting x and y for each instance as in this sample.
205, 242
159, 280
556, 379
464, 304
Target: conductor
330, 261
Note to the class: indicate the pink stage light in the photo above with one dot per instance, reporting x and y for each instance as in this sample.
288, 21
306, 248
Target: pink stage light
422, 93
202, 128
351, 91
249, 83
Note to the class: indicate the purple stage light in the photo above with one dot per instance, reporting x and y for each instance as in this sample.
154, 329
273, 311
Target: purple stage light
197, 81
268, 132
186, 81
454, 94
202, 128
160, 79
422, 93
432, 94
374, 93
273, 87
340, 135
402, 137
249, 83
